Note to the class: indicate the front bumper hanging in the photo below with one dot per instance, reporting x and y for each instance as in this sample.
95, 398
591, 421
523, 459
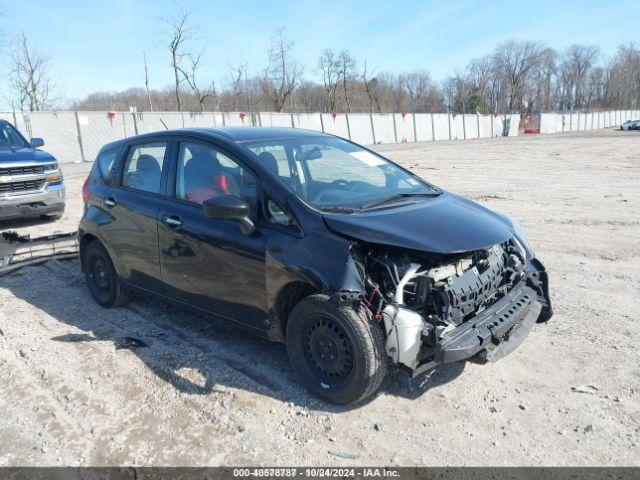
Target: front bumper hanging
498, 330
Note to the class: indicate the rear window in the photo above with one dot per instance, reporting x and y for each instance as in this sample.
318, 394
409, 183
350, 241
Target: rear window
106, 163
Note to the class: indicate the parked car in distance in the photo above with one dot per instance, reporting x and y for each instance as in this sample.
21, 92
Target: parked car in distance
630, 125
31, 183
308, 239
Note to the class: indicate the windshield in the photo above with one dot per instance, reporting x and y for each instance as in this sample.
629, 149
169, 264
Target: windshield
332, 174
9, 137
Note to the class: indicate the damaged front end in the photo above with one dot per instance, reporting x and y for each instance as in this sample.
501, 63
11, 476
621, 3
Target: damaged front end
438, 309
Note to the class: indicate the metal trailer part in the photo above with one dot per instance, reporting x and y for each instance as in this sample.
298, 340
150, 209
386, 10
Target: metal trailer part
17, 251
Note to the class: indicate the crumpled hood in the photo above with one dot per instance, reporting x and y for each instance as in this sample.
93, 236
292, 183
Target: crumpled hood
445, 224
20, 156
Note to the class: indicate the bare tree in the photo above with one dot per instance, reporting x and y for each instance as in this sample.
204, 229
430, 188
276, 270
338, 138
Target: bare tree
330, 68
238, 78
282, 73
516, 60
347, 67
178, 35
422, 94
370, 86
201, 93
576, 63
146, 80
30, 76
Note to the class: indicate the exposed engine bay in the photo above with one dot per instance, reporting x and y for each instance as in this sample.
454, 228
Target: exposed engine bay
420, 298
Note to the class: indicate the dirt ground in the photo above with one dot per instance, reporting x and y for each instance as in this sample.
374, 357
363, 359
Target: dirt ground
204, 393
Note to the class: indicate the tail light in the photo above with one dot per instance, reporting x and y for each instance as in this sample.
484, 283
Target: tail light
85, 191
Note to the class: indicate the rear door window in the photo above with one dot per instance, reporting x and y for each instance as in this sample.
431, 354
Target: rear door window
106, 163
143, 167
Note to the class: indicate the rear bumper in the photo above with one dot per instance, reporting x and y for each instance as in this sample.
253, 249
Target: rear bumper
498, 330
50, 200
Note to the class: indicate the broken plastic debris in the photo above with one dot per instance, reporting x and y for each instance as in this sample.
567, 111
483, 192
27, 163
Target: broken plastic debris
590, 389
350, 456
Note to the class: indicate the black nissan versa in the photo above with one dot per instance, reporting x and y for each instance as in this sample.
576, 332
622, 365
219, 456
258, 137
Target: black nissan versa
353, 262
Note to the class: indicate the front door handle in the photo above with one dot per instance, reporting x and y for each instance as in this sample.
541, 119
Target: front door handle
110, 202
173, 221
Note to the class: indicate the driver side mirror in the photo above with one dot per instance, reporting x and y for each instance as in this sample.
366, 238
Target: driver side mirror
37, 142
229, 207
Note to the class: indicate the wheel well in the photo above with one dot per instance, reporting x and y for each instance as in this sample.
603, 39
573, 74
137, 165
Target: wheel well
288, 297
85, 240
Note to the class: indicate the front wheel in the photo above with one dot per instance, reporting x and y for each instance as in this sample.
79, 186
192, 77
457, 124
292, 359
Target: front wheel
102, 278
337, 351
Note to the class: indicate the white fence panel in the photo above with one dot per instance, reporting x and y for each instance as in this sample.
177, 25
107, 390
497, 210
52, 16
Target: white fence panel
383, 127
514, 124
404, 127
588, 119
335, 125
309, 121
424, 127
485, 127
582, 118
498, 125
360, 128
235, 119
470, 126
275, 119
201, 120
548, 123
441, 126
100, 128
574, 122
59, 131
159, 121
457, 127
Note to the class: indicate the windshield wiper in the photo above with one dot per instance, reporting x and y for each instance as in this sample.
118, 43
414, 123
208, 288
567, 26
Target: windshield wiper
399, 196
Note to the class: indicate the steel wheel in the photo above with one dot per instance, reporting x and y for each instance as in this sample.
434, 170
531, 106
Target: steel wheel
328, 349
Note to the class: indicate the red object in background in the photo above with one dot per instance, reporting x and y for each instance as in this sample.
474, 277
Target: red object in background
111, 116
242, 115
404, 114
531, 130
334, 115
220, 184
85, 191
220, 181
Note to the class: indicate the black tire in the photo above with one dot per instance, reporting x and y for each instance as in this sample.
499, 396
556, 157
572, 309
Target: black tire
337, 351
101, 277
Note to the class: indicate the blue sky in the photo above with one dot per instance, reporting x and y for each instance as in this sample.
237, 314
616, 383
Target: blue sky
97, 46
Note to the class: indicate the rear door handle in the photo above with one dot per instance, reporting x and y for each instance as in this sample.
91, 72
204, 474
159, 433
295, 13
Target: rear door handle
110, 202
173, 221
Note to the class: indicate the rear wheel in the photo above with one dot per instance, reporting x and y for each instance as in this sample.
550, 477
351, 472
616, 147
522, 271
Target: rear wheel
101, 277
337, 351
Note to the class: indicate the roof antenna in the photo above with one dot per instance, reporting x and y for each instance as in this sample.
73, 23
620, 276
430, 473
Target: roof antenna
163, 124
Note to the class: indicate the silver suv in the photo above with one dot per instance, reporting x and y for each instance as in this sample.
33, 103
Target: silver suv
30, 180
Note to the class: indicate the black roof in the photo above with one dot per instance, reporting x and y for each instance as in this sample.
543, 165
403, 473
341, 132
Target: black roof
245, 134
233, 134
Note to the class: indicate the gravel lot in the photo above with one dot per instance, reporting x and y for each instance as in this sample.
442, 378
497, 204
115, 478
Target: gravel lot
204, 393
